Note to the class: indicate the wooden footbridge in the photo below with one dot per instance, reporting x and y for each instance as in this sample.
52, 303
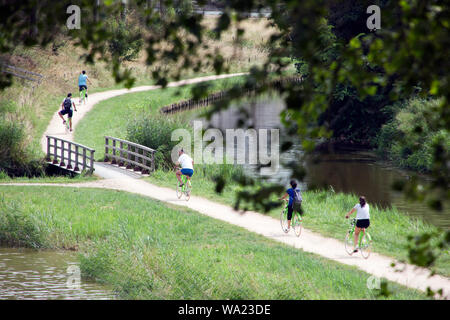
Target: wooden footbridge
119, 153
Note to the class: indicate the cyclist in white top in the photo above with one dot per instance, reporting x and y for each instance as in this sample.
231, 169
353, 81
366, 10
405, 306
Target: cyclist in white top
362, 218
187, 166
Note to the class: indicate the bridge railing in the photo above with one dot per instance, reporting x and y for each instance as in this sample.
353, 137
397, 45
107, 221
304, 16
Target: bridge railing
129, 154
70, 154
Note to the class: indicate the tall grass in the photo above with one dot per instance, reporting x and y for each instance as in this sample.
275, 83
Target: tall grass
19, 229
16, 157
148, 250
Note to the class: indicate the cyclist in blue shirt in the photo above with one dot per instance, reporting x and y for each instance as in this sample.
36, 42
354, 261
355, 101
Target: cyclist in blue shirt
82, 78
295, 201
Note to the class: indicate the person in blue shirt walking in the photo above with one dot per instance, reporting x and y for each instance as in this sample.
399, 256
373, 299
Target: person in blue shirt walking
295, 202
82, 78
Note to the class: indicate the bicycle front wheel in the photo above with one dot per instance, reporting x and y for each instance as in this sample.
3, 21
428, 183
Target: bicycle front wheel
283, 221
365, 245
297, 224
349, 247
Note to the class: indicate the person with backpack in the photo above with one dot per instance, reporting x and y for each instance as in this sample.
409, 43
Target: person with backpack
295, 202
66, 108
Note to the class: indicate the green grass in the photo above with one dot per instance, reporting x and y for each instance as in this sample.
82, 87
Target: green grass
110, 117
48, 179
148, 250
325, 213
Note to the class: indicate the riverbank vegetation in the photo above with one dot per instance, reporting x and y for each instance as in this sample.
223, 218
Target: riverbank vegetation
148, 250
408, 139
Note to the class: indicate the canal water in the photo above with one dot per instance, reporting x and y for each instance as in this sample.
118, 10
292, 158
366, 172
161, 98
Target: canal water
42, 275
349, 171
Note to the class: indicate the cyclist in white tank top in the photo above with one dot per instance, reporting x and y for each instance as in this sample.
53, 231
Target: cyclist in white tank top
362, 218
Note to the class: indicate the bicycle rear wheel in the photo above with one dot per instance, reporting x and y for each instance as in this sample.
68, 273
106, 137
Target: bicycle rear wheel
179, 190
349, 246
365, 245
283, 220
67, 126
297, 224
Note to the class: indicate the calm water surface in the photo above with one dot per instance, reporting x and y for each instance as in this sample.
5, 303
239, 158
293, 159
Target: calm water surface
41, 275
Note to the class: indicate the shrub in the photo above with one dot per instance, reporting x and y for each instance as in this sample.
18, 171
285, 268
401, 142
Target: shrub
409, 138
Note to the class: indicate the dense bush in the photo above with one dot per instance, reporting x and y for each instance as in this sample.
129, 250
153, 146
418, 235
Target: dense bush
408, 139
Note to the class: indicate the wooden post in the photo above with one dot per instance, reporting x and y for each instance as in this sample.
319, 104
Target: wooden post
106, 149
84, 159
69, 165
62, 164
76, 159
113, 160
48, 149
55, 151
121, 154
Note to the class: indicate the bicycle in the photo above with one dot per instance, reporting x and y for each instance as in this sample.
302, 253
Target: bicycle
185, 189
364, 242
296, 221
66, 125
83, 97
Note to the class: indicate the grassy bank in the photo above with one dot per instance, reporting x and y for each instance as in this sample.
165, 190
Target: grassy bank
148, 250
410, 139
325, 213
48, 179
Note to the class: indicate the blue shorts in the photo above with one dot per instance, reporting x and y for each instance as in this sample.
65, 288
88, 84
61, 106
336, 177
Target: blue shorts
187, 172
82, 86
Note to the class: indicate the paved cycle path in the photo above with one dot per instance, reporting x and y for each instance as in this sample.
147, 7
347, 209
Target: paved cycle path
377, 265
